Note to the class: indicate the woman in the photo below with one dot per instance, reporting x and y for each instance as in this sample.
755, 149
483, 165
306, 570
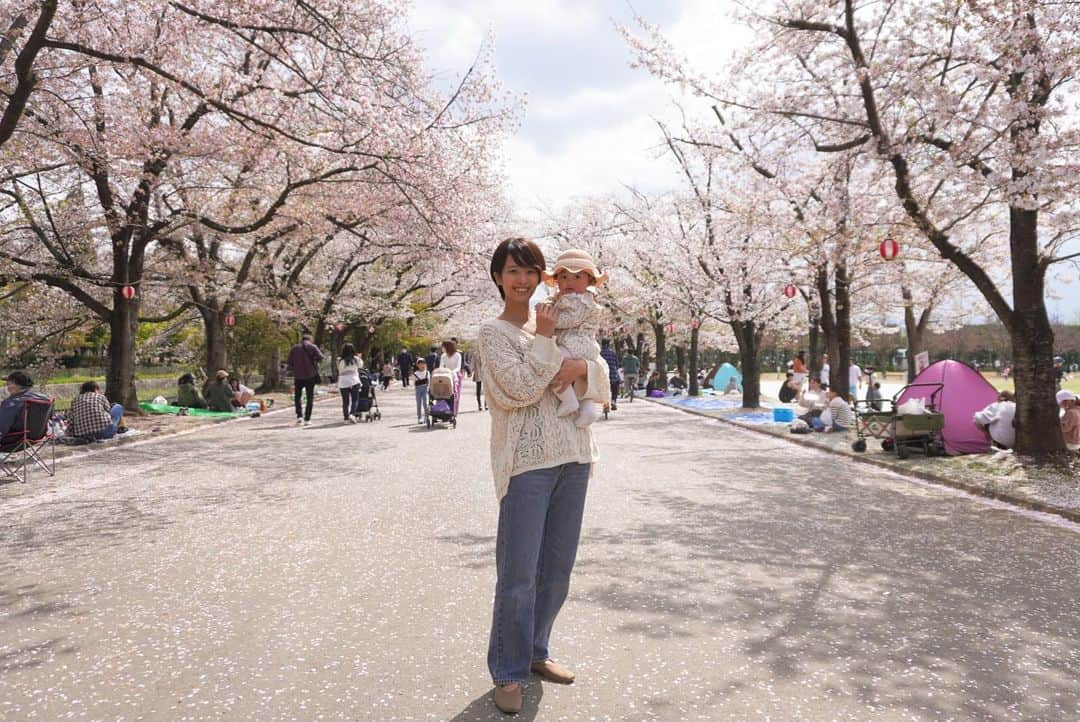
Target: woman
387, 375
451, 359
541, 464
241, 394
655, 383
348, 382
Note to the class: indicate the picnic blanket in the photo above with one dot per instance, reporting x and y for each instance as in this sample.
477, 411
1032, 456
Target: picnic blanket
705, 402
754, 417
175, 410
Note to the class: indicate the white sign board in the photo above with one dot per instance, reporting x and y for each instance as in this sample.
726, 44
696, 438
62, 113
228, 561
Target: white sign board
922, 360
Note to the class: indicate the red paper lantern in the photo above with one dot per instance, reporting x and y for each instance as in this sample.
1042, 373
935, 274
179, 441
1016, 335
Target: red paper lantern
671, 328
340, 327
790, 290
230, 320
889, 249
128, 292
695, 323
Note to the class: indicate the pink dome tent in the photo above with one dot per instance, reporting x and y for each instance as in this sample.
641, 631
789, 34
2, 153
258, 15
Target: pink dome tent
963, 392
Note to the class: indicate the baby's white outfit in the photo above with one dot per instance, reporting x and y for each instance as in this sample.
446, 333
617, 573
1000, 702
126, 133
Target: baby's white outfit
575, 333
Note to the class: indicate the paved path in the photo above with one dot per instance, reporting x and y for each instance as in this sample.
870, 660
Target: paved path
260, 571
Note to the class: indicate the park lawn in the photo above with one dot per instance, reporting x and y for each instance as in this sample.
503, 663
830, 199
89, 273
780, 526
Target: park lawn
83, 378
1072, 384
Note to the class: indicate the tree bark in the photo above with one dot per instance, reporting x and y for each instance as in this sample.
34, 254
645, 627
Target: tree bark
680, 359
120, 370
748, 337
695, 389
661, 349
214, 330
272, 373
843, 327
1038, 428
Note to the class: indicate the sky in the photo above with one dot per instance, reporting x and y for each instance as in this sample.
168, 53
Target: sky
589, 124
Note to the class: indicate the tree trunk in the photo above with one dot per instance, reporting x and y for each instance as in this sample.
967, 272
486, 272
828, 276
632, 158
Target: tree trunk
272, 373
120, 371
695, 390
915, 331
843, 327
214, 330
1038, 428
680, 359
748, 337
661, 349
814, 343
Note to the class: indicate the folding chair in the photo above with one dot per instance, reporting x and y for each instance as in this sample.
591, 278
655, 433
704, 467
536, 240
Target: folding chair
21, 450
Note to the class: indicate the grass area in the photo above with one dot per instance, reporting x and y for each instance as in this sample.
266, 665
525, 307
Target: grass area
82, 378
1001, 384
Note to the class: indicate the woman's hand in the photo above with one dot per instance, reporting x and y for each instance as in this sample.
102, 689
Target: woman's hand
571, 370
546, 315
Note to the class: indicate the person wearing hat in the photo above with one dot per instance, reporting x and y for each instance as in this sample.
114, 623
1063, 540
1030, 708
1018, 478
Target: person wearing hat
1070, 420
18, 385
219, 395
576, 276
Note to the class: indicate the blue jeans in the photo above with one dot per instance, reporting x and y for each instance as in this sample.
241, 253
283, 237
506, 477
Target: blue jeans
115, 413
423, 404
539, 528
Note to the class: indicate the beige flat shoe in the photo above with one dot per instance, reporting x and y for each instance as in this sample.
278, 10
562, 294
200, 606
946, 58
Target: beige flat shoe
552, 671
508, 698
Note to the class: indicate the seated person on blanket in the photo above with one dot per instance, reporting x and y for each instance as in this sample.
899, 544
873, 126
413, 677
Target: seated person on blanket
814, 400
219, 395
188, 395
92, 416
837, 416
241, 394
578, 322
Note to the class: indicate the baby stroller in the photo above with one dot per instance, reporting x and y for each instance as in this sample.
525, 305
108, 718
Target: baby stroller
442, 391
368, 407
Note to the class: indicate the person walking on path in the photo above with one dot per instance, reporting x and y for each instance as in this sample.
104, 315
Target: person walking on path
348, 382
541, 464
631, 367
405, 366
451, 359
854, 381
432, 358
304, 360
421, 377
608, 354
477, 364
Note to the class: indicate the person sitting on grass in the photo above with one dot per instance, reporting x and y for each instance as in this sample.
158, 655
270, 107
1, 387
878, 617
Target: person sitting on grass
1070, 421
996, 421
92, 416
188, 395
789, 390
655, 383
839, 416
241, 394
219, 395
814, 400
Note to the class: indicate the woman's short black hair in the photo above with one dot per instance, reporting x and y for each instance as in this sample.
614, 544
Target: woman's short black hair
20, 378
89, 387
186, 379
524, 252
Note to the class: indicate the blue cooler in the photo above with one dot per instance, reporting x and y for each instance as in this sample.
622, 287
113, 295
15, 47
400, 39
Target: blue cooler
783, 415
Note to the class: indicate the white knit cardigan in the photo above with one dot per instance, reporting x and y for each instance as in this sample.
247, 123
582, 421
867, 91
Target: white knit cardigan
526, 434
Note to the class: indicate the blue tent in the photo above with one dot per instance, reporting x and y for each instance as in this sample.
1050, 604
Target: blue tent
724, 375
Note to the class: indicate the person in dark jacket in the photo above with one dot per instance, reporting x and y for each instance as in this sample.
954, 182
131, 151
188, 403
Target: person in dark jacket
304, 360
608, 354
11, 410
432, 358
219, 395
405, 366
187, 394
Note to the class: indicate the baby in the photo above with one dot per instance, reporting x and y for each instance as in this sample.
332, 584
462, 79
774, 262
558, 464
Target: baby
576, 276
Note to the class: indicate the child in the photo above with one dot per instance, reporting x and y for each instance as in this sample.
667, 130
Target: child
421, 377
576, 276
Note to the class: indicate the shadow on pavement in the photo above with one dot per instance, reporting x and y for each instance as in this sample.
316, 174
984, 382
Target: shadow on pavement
483, 709
813, 571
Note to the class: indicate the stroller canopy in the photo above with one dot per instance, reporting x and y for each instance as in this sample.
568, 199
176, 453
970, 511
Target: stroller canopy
964, 391
724, 374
